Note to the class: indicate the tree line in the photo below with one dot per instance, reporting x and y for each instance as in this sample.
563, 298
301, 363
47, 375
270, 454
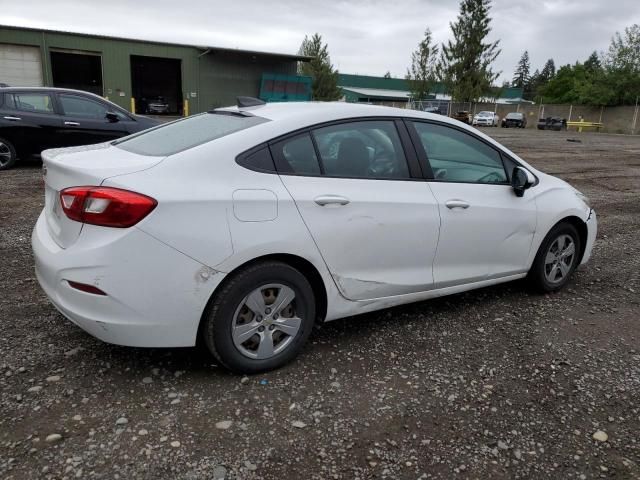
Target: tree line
464, 65
606, 78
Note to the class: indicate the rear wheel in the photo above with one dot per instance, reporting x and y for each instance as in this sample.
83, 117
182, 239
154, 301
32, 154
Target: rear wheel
556, 259
8, 154
261, 318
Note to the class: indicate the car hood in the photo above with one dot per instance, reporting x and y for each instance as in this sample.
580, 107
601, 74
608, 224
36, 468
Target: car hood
146, 122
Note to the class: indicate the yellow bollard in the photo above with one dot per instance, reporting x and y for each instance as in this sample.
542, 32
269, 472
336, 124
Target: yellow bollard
133, 105
185, 108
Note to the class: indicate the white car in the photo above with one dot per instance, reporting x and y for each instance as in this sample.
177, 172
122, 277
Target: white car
487, 119
244, 226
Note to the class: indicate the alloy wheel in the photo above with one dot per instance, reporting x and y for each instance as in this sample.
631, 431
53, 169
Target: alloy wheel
5, 154
266, 321
559, 259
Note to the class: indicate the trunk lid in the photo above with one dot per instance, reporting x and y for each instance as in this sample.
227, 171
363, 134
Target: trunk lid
88, 165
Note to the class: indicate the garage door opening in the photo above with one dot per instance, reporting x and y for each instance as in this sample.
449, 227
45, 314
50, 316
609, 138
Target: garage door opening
80, 71
156, 84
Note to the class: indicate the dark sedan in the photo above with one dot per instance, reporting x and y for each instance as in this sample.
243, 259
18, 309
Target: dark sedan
514, 120
35, 119
552, 123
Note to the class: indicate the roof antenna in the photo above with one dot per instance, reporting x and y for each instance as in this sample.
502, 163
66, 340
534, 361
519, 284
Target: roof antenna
244, 102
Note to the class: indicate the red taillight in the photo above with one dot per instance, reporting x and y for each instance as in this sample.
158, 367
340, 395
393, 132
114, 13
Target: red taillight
105, 206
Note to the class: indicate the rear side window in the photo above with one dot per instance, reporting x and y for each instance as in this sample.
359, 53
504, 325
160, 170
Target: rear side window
31, 102
366, 149
296, 155
187, 133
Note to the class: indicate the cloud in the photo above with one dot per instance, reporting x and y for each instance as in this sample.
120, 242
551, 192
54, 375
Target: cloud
364, 36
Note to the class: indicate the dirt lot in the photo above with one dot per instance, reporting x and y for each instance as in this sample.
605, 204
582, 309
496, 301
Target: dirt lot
496, 383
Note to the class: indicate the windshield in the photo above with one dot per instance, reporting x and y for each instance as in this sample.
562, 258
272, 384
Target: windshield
514, 115
485, 114
186, 133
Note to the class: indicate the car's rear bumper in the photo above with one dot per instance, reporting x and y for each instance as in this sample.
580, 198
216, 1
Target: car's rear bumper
155, 295
592, 231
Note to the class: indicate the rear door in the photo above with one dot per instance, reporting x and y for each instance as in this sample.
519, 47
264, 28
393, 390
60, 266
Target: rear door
85, 121
31, 120
486, 230
358, 190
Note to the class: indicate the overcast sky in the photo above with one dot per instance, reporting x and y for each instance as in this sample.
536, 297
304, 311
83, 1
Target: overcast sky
364, 36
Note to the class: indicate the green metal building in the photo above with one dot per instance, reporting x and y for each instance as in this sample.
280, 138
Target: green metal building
383, 90
190, 79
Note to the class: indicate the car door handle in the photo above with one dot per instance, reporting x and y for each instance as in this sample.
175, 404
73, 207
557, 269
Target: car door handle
12, 119
456, 204
72, 124
323, 200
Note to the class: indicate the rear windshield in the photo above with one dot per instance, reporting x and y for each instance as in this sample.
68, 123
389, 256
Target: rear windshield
184, 134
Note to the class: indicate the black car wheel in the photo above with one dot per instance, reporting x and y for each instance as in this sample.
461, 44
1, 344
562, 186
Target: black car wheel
8, 154
557, 258
260, 318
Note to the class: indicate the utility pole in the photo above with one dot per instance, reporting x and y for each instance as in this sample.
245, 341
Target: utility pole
635, 117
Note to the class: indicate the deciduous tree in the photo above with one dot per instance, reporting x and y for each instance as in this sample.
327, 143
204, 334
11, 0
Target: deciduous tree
421, 75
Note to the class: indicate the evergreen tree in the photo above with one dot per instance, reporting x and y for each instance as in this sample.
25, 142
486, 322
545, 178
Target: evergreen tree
465, 62
593, 63
325, 77
521, 76
387, 75
548, 71
531, 87
421, 75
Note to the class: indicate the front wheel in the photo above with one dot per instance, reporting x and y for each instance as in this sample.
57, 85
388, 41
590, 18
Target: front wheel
557, 258
261, 318
8, 154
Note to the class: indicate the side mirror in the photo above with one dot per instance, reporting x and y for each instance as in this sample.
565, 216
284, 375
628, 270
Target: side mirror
521, 179
112, 117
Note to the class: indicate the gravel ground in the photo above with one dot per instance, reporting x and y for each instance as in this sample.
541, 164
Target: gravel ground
496, 383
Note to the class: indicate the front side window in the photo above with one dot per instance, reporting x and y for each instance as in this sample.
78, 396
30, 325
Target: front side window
186, 133
456, 156
75, 106
365, 149
33, 102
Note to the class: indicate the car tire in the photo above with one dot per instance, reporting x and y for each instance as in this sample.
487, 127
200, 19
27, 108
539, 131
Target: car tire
550, 258
8, 155
253, 340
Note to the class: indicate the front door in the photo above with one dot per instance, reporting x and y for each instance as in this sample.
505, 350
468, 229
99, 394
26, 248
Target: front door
375, 225
85, 121
486, 229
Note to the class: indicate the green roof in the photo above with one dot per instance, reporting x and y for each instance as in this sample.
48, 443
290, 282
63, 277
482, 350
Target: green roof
366, 81
347, 80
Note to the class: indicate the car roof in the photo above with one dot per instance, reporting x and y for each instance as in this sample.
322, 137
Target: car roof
60, 90
48, 89
311, 113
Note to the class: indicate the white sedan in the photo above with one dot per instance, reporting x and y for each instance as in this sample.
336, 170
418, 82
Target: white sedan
487, 119
244, 226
